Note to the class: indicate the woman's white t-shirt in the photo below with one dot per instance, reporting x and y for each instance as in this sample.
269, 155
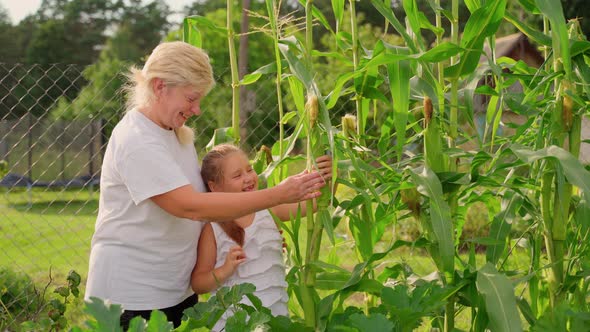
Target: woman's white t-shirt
141, 256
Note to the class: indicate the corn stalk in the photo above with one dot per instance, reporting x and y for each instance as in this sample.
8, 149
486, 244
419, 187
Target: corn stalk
556, 191
272, 8
235, 78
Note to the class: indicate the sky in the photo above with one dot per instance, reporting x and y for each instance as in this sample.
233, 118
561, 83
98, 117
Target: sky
19, 9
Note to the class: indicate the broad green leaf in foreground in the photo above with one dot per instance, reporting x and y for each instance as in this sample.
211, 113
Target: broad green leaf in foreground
499, 297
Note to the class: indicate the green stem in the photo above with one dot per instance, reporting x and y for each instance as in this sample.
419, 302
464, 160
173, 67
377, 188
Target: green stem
275, 35
546, 47
235, 81
308, 31
355, 63
534, 282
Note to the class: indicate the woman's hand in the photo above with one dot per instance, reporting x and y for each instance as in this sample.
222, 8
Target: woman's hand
324, 167
299, 187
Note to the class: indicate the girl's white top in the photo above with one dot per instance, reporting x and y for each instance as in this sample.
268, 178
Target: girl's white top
264, 266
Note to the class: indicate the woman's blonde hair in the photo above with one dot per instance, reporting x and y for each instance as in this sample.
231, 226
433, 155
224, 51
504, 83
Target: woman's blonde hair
176, 64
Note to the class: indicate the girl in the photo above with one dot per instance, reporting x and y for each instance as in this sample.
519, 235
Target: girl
249, 248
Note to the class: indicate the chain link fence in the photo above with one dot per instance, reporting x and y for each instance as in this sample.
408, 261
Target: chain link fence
54, 126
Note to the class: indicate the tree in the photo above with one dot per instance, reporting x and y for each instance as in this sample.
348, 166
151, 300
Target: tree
70, 31
139, 31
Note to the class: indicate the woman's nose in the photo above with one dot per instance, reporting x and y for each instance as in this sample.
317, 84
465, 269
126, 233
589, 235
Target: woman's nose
196, 108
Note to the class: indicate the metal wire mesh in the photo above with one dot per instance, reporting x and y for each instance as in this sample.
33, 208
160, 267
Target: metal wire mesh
53, 150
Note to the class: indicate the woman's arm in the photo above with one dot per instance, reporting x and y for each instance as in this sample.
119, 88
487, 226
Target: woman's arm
205, 276
185, 202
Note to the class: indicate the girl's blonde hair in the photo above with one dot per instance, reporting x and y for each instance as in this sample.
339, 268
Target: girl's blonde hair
212, 171
176, 64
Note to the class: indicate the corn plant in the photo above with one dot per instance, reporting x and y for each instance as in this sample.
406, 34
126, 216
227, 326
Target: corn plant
424, 96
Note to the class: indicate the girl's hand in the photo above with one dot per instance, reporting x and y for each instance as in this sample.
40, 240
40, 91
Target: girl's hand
234, 258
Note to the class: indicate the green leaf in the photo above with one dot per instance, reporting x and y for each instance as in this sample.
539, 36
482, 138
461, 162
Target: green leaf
298, 68
373, 323
63, 291
413, 18
499, 299
191, 33
473, 5
159, 322
482, 23
392, 19
560, 38
335, 93
533, 35
288, 116
501, 225
575, 173
318, 15
440, 216
221, 135
73, 279
338, 10
255, 75
441, 52
137, 324
237, 322
399, 82
107, 316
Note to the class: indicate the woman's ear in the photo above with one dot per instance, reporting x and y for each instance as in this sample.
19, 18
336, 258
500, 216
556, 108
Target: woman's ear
212, 186
158, 87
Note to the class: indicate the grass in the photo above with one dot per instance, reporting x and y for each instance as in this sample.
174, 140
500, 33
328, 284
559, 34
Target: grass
45, 234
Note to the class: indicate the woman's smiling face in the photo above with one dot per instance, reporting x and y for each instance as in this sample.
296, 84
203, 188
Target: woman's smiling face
176, 104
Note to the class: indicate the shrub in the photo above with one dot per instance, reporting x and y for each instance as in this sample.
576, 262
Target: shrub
19, 298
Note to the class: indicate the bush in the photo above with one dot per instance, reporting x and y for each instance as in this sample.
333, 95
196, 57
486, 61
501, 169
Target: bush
20, 300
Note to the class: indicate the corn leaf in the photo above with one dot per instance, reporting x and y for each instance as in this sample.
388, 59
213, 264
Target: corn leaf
501, 225
472, 5
288, 47
190, 32
392, 19
441, 52
428, 185
575, 173
318, 16
534, 35
561, 48
500, 301
399, 84
482, 23
338, 9
413, 17
336, 92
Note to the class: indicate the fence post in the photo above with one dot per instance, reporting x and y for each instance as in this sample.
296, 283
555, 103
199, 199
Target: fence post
4, 140
30, 147
91, 148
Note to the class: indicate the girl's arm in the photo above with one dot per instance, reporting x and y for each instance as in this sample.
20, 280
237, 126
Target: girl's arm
205, 277
285, 211
185, 202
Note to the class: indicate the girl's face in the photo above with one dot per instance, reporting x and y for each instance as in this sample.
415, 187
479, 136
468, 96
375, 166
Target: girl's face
237, 174
176, 104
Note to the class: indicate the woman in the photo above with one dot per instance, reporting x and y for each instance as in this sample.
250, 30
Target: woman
151, 193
